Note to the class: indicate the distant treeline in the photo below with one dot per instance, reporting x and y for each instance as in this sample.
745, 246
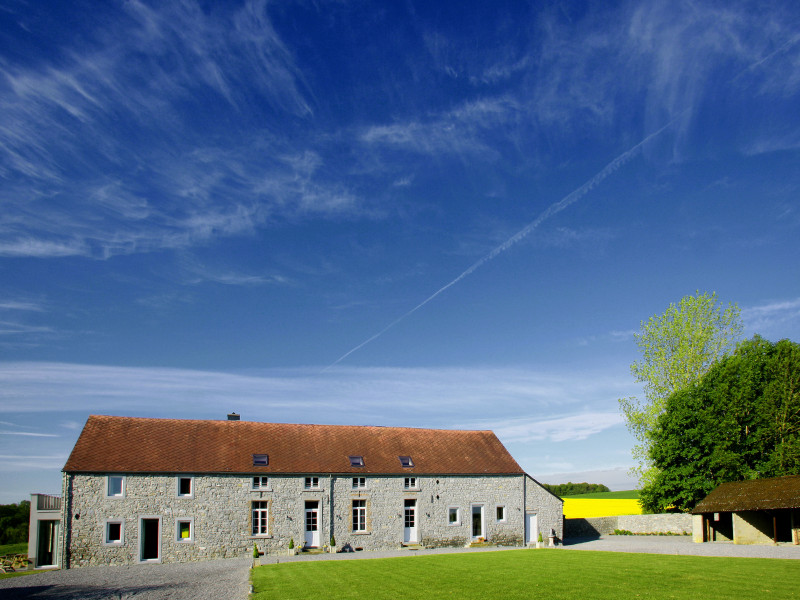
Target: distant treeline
14, 522
574, 489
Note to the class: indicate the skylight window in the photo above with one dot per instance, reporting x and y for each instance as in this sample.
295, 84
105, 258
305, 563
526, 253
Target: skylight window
405, 461
356, 461
260, 460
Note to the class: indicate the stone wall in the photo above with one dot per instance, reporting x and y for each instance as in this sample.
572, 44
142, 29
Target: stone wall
675, 523
221, 517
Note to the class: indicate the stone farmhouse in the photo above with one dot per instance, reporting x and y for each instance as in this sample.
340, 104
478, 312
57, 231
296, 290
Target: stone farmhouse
167, 490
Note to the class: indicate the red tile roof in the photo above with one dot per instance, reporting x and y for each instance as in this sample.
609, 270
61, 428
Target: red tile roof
135, 445
752, 494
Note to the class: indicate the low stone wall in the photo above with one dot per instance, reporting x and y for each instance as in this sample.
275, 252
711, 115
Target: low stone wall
675, 523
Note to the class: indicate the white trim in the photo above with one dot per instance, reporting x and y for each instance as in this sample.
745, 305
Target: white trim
142, 518
309, 483
505, 513
482, 533
123, 486
178, 486
358, 510
121, 540
178, 538
359, 487
262, 510
457, 522
261, 479
411, 483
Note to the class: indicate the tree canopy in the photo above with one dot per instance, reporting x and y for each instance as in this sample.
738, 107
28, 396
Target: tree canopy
14, 522
740, 421
677, 348
574, 489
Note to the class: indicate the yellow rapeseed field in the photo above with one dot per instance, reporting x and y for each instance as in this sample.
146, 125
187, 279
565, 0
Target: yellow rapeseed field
575, 508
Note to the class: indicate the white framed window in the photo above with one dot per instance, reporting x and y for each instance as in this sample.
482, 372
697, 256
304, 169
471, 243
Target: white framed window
114, 532
312, 483
260, 517
359, 483
500, 513
184, 530
115, 486
185, 487
410, 483
359, 515
260, 482
454, 515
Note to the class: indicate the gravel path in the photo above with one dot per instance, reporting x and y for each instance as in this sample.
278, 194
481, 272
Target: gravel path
229, 579
208, 580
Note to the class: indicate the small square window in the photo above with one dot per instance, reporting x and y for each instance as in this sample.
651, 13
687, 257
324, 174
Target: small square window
114, 533
185, 487
184, 530
260, 482
501, 513
312, 483
359, 483
115, 486
454, 516
356, 461
260, 460
405, 461
410, 483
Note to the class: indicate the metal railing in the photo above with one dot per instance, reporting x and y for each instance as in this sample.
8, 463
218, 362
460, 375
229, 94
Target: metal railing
45, 502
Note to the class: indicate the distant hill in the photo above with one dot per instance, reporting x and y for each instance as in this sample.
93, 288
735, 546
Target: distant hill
575, 489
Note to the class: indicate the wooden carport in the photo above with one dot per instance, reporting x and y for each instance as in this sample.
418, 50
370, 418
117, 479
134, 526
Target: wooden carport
756, 511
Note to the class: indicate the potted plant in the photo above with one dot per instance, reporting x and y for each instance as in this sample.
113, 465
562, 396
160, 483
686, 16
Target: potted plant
333, 544
291, 547
256, 559
540, 541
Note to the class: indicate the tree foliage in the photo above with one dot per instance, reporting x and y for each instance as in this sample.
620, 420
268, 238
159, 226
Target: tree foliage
14, 520
741, 421
677, 348
574, 489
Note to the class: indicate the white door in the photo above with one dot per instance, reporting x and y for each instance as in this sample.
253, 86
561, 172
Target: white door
531, 528
312, 525
477, 522
410, 522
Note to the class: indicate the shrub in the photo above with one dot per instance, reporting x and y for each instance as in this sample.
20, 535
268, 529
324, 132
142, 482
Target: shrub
255, 551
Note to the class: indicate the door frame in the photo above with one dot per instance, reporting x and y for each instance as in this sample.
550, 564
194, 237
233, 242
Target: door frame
318, 533
142, 519
411, 534
49, 526
482, 514
531, 534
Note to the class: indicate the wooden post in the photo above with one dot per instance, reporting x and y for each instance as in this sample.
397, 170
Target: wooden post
775, 528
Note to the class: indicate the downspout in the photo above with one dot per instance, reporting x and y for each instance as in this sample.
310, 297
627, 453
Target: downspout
330, 507
524, 508
66, 521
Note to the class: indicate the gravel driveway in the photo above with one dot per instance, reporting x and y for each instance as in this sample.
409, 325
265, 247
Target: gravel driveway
208, 580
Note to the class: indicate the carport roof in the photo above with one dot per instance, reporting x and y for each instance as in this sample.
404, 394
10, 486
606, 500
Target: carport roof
753, 494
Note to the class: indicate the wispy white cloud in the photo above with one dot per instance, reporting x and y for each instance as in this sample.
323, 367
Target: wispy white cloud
22, 305
772, 318
28, 434
566, 428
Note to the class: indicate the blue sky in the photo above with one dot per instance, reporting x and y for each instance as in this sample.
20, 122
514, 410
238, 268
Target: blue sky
211, 207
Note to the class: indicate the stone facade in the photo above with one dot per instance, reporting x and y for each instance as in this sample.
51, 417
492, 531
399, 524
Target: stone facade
665, 523
156, 518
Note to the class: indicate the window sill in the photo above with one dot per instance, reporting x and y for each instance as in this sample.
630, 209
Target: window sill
261, 536
261, 490
361, 533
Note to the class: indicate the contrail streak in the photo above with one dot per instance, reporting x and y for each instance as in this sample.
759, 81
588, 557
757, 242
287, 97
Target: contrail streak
553, 209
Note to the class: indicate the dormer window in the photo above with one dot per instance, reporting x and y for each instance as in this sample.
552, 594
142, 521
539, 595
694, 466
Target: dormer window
405, 461
260, 460
356, 461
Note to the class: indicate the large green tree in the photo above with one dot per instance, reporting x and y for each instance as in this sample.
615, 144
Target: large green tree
740, 421
677, 348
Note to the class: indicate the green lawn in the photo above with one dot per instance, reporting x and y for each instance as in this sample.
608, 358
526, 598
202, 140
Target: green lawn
21, 548
556, 574
624, 495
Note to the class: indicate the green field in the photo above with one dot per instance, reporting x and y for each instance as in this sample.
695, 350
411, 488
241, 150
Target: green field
624, 495
558, 574
21, 548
